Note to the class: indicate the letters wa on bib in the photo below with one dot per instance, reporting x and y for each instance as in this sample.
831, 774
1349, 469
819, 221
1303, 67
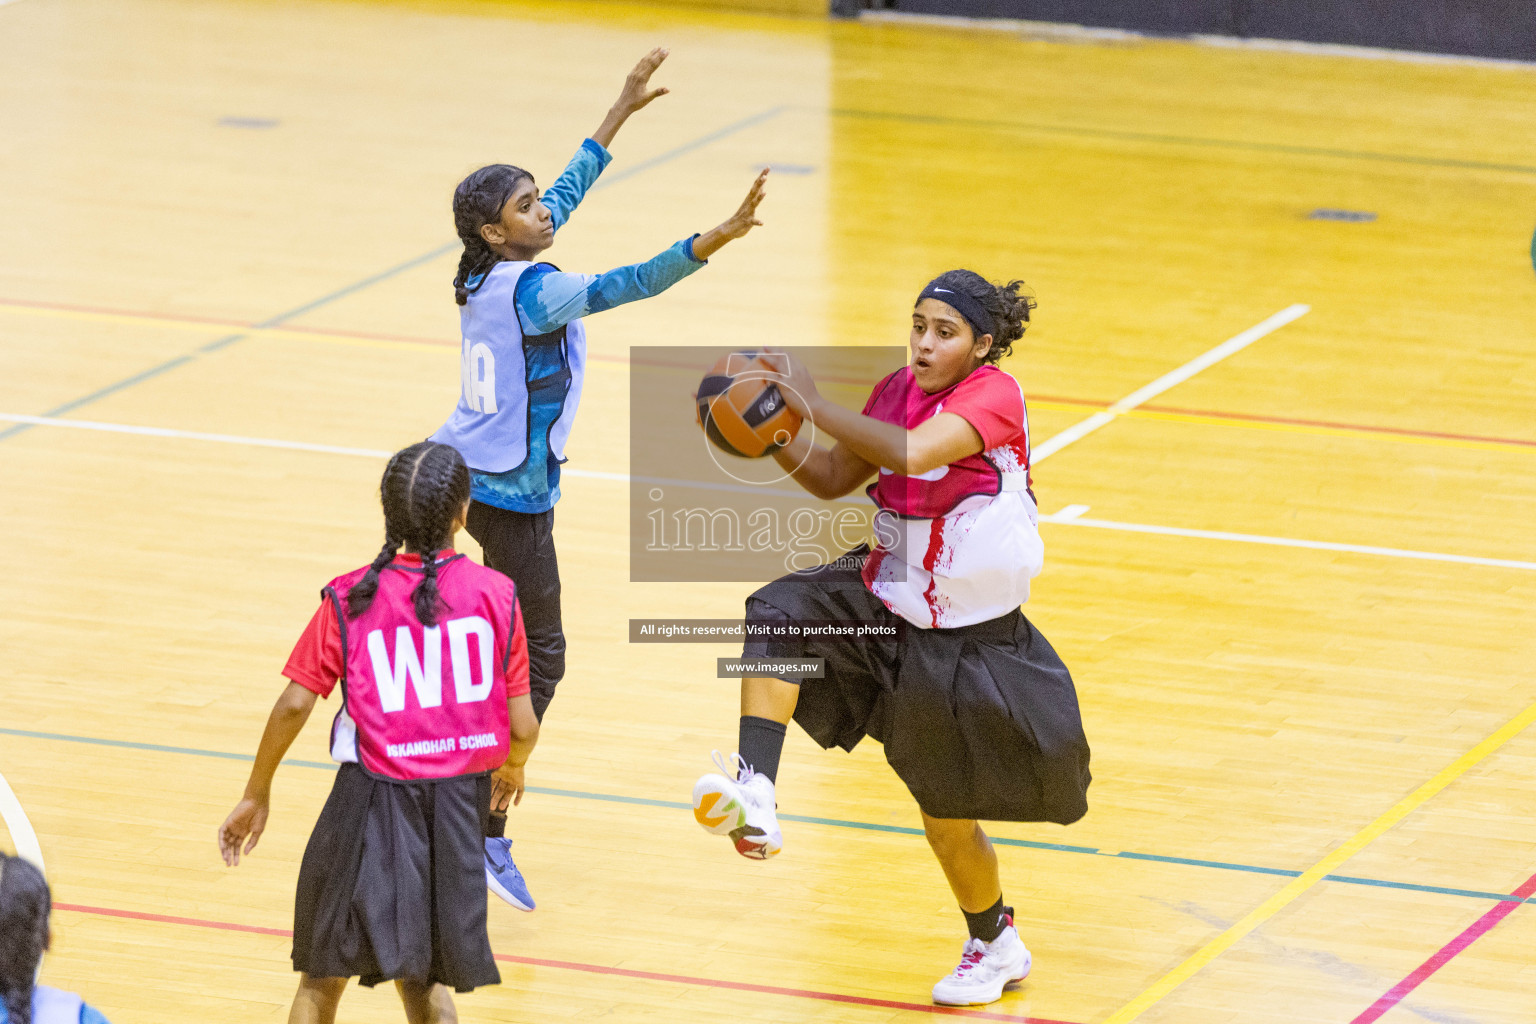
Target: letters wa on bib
977, 713
392, 883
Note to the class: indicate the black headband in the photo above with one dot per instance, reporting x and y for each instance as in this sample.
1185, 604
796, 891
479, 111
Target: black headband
975, 314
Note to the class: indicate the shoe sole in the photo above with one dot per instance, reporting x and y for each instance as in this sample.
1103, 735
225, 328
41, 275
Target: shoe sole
979, 1001
494, 884
720, 813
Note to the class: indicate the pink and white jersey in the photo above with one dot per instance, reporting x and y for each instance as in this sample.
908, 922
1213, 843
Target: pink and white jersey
419, 703
959, 544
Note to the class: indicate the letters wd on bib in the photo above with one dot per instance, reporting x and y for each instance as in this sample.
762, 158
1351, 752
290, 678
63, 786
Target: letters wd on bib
423, 719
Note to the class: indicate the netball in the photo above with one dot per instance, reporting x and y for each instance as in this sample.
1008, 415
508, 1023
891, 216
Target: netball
741, 409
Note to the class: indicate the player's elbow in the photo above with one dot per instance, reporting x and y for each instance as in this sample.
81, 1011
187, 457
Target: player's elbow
820, 489
525, 732
917, 463
522, 723
295, 701
828, 490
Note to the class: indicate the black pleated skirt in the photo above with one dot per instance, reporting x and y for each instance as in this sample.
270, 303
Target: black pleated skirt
393, 883
979, 721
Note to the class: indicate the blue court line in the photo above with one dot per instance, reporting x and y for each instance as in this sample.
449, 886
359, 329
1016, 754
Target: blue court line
384, 275
868, 826
1124, 135
127, 382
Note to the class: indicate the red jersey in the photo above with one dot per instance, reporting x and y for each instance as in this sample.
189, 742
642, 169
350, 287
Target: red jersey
958, 544
418, 703
992, 402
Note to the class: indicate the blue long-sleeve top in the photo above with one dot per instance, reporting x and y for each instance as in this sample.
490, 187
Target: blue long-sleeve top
88, 1014
547, 299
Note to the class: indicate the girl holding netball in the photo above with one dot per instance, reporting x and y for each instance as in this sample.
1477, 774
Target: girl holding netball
25, 903
523, 358
434, 730
977, 713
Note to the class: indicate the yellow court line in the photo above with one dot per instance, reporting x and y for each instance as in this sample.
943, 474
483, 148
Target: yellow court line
1272, 906
361, 340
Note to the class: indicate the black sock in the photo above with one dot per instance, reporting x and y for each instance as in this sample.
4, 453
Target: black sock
496, 826
760, 743
989, 923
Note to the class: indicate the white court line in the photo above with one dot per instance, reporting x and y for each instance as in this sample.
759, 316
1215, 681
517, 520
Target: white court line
1283, 542
192, 435
22, 833
1232, 345
1069, 516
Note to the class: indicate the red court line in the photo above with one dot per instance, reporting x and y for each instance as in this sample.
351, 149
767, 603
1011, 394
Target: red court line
1246, 417
136, 915
212, 321
1399, 431
1447, 953
1088, 403
621, 972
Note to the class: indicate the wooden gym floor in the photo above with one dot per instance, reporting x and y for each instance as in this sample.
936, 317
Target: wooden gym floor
1298, 604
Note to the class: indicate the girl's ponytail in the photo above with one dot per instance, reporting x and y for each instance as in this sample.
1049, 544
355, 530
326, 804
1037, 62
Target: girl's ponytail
24, 905
1007, 307
426, 597
424, 488
360, 597
1014, 308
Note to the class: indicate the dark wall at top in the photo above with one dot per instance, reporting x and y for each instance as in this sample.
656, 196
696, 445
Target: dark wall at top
1486, 28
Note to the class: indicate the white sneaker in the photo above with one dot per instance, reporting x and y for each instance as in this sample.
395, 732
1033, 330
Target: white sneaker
985, 969
740, 807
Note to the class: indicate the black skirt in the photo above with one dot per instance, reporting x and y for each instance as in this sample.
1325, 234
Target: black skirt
979, 721
393, 883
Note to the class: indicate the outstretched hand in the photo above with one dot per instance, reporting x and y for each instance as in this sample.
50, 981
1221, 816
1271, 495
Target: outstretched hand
737, 224
245, 824
636, 94
637, 91
745, 217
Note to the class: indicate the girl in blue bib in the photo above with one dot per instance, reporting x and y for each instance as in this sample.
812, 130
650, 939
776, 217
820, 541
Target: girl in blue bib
522, 363
25, 902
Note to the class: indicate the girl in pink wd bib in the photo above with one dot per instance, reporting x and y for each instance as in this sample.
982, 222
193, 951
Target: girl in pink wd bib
433, 732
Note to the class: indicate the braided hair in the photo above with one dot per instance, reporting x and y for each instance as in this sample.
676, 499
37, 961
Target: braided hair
1008, 308
423, 489
24, 905
477, 202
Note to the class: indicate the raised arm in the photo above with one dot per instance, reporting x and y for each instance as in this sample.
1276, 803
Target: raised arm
547, 299
571, 187
567, 191
636, 95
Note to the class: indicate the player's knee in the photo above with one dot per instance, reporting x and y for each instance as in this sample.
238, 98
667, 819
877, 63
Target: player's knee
949, 835
321, 991
426, 1002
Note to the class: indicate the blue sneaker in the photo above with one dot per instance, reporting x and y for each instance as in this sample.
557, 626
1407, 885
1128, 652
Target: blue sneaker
502, 876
